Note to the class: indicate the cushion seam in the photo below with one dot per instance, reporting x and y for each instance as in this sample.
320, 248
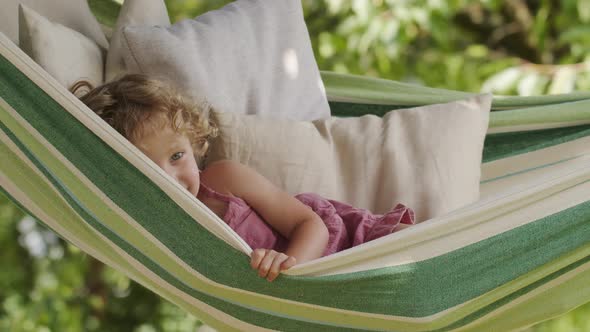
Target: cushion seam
128, 46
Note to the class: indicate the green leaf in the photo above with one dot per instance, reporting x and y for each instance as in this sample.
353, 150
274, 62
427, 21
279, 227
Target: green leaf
584, 10
564, 81
579, 34
503, 81
532, 84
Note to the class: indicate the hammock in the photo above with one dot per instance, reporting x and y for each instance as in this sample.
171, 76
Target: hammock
519, 255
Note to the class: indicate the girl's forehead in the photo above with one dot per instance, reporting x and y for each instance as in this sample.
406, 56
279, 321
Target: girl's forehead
160, 146
149, 125
159, 138
158, 130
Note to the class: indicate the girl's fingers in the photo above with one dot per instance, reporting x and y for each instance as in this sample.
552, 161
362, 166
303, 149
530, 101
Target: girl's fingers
264, 266
270, 263
276, 266
257, 256
288, 263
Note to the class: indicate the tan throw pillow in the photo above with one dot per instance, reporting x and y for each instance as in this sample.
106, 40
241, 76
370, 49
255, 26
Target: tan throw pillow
74, 14
249, 57
64, 53
132, 13
426, 157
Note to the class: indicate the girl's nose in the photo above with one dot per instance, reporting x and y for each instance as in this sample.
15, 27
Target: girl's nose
189, 183
183, 181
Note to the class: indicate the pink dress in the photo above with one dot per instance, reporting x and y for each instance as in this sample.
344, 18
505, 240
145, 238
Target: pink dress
347, 226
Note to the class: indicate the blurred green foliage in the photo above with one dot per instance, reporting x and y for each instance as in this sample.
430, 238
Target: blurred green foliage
47, 284
505, 47
508, 47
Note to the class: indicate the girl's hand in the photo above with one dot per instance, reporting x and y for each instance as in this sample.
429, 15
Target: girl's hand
269, 263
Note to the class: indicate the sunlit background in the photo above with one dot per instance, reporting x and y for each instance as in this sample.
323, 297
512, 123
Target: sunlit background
512, 47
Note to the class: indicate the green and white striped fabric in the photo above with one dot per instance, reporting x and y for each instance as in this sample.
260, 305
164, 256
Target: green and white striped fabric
519, 255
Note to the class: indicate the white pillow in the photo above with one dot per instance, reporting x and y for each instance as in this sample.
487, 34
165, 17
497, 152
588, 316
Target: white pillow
428, 158
74, 14
64, 53
249, 57
132, 13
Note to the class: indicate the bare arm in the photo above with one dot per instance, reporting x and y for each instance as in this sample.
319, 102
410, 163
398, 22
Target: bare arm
307, 233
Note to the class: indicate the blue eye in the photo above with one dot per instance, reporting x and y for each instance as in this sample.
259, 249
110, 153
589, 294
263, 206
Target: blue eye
177, 156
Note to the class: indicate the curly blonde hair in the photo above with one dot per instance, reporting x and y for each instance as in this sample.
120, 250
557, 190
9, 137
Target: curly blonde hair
135, 104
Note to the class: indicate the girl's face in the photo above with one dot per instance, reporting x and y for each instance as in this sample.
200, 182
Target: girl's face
173, 152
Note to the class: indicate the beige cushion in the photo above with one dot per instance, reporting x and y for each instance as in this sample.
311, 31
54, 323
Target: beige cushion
426, 157
64, 53
249, 57
132, 13
74, 14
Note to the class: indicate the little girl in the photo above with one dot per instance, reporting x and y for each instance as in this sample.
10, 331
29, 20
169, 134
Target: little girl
281, 229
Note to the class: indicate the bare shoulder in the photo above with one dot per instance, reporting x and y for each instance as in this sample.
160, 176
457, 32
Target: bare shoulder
227, 176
